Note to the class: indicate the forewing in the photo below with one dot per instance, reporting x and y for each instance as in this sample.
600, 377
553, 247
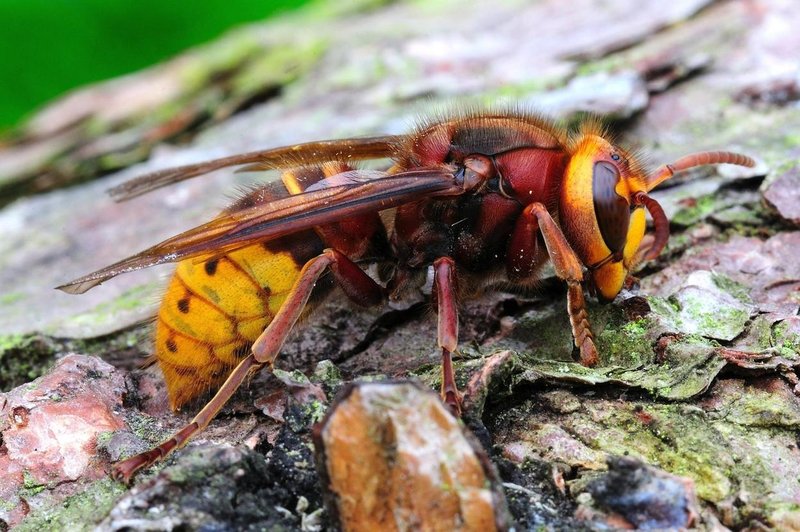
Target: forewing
309, 153
347, 194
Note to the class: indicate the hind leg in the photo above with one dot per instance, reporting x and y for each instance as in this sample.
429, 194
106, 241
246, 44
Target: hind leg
356, 284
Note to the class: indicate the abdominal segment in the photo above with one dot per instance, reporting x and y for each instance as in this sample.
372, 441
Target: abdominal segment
214, 309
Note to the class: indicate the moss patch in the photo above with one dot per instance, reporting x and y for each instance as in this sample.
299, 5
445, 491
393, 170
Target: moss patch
105, 315
24, 358
786, 338
673, 437
625, 344
701, 209
278, 66
707, 304
708, 442
685, 368
79, 512
138, 338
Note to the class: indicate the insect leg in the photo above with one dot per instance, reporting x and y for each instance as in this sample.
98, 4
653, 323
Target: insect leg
445, 290
356, 284
535, 218
125, 470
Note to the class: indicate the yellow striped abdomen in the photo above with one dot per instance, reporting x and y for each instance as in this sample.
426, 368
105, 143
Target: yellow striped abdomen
214, 310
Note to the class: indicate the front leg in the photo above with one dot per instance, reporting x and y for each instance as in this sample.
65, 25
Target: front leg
522, 263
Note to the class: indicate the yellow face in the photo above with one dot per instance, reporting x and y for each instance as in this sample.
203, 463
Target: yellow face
596, 211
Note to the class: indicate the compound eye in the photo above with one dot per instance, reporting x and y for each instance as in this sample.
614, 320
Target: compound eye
612, 210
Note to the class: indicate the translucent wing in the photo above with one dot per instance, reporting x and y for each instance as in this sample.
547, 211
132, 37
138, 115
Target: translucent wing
309, 153
332, 199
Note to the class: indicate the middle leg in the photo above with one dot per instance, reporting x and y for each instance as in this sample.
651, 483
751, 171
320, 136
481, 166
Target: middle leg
444, 282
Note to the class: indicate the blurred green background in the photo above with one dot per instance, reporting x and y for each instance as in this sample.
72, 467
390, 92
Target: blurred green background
50, 46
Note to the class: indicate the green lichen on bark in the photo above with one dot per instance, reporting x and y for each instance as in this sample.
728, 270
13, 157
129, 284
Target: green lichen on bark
79, 512
708, 304
23, 358
715, 443
104, 314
